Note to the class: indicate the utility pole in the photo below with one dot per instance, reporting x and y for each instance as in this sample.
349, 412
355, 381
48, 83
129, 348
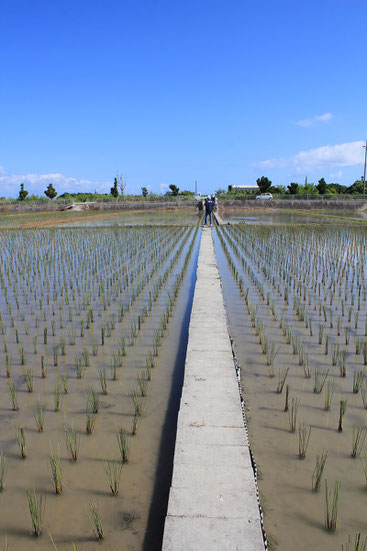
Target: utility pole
364, 171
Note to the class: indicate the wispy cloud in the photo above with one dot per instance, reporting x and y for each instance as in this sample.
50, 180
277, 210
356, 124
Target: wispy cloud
305, 123
163, 187
37, 183
346, 154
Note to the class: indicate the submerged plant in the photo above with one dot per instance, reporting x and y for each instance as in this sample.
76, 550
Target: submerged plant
3, 469
281, 379
271, 353
72, 437
56, 471
123, 441
13, 395
43, 368
95, 520
331, 505
342, 362
359, 436
318, 471
64, 383
286, 402
364, 394
102, 375
328, 394
135, 424
8, 366
21, 439
113, 474
90, 420
306, 367
142, 384
36, 505
303, 439
359, 544
79, 368
292, 414
342, 410
138, 404
114, 375
319, 379
39, 414
29, 379
358, 377
92, 401
57, 396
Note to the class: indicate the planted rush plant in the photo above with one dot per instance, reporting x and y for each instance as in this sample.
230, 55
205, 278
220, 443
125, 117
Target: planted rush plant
66, 293
313, 281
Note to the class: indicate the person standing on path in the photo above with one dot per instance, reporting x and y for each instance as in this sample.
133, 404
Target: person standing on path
208, 209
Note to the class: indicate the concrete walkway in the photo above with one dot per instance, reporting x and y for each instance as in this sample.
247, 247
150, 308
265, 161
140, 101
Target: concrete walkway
218, 219
212, 504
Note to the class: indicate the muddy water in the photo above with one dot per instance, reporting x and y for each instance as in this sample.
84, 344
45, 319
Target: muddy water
238, 216
294, 516
134, 519
182, 216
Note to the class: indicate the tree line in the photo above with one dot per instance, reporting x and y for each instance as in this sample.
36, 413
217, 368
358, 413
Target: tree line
321, 188
265, 185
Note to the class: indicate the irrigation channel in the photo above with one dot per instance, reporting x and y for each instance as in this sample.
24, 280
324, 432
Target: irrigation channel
93, 331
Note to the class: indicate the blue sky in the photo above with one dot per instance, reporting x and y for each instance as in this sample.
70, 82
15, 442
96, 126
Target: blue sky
165, 92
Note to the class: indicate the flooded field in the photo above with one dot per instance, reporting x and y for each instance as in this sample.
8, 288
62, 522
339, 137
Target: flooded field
93, 328
183, 216
273, 216
296, 303
93, 332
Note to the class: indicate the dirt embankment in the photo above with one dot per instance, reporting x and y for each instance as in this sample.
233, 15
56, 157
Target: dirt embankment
131, 205
303, 204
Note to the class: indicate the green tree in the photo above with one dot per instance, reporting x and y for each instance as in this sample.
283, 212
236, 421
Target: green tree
321, 186
308, 189
114, 189
280, 190
174, 189
50, 192
144, 191
22, 193
293, 188
356, 188
337, 188
264, 184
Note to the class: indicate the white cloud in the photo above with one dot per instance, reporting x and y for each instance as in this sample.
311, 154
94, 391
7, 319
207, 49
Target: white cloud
163, 187
346, 154
305, 123
37, 183
337, 174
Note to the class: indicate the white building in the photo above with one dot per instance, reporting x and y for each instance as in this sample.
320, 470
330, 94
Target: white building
248, 187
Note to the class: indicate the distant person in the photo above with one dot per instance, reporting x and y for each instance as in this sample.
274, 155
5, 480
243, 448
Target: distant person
209, 205
200, 206
215, 203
